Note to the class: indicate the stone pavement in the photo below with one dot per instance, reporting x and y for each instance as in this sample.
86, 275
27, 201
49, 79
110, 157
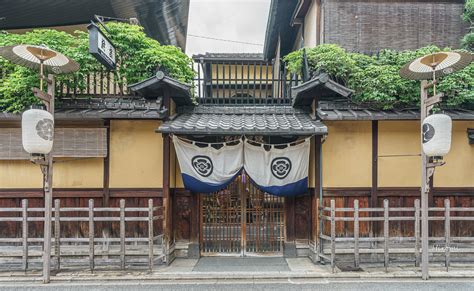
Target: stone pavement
225, 268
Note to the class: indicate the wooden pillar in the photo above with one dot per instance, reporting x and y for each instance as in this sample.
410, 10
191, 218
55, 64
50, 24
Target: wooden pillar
194, 246
106, 179
374, 229
167, 199
315, 197
290, 239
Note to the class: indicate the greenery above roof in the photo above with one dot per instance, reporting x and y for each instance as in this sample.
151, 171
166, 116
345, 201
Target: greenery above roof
138, 57
376, 80
468, 16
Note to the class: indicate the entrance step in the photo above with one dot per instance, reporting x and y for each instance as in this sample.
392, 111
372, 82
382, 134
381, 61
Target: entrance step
236, 264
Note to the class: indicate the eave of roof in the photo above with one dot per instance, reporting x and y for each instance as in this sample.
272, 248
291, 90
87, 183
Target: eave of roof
346, 111
305, 93
102, 108
165, 20
278, 25
232, 57
154, 87
241, 120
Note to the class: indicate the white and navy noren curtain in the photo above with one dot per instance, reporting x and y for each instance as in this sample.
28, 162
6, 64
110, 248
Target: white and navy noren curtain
206, 169
281, 172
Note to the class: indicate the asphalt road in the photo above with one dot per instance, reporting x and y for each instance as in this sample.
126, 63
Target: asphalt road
274, 285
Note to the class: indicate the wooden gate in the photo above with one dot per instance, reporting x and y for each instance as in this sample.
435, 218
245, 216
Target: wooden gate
241, 220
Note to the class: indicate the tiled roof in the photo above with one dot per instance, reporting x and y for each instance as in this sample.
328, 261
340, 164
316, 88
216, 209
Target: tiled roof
229, 56
347, 111
237, 120
99, 108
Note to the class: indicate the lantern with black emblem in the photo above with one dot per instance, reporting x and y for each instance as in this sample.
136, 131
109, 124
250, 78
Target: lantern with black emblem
437, 135
37, 128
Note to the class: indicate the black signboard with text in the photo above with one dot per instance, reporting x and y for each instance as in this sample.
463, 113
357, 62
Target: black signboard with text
101, 47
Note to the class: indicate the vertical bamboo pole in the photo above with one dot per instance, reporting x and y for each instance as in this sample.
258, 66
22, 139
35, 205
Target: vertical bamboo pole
150, 235
91, 234
356, 234
122, 234
24, 204
57, 236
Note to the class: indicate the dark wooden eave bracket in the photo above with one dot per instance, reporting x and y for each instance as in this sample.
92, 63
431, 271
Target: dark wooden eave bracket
304, 94
155, 86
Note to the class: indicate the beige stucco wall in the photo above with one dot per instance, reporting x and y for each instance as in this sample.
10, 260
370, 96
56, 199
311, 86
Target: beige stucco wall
68, 173
347, 154
136, 154
399, 138
459, 168
20, 174
310, 24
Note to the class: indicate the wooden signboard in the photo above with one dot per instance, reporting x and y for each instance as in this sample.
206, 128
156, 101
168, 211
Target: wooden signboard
101, 47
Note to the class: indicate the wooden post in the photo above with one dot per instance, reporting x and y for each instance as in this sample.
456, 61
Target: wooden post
424, 189
122, 234
91, 235
150, 235
356, 234
106, 178
386, 232
24, 205
315, 199
57, 233
417, 232
167, 199
333, 235
374, 226
447, 232
48, 195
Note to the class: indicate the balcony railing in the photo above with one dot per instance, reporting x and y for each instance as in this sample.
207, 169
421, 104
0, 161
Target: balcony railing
245, 82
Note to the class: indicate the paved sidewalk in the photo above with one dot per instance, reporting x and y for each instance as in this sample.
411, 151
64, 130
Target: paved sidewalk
219, 268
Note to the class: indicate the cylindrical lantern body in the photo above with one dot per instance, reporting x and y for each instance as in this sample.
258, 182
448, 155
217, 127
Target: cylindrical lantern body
437, 135
37, 128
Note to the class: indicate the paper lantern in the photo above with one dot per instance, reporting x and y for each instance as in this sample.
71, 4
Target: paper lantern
37, 129
436, 133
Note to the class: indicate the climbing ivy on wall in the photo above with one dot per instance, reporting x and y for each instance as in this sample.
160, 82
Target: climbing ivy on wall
138, 57
375, 79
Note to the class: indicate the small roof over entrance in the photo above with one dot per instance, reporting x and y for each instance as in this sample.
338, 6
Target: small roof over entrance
248, 120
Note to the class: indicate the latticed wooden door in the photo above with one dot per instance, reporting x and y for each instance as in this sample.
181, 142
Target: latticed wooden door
241, 220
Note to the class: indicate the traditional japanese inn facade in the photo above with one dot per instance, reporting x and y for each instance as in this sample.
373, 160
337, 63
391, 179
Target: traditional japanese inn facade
117, 143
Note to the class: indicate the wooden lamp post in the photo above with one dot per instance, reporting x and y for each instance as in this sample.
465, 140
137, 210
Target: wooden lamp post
427, 68
38, 125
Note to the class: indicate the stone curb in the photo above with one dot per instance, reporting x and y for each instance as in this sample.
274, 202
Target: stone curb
202, 276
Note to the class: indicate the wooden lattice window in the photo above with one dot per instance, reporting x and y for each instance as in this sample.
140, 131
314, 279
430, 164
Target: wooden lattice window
68, 142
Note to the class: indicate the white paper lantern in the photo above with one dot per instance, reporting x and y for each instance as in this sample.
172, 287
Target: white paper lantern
37, 128
436, 134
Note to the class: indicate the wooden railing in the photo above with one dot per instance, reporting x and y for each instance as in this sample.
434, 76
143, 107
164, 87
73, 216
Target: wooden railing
329, 246
98, 84
92, 247
241, 83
